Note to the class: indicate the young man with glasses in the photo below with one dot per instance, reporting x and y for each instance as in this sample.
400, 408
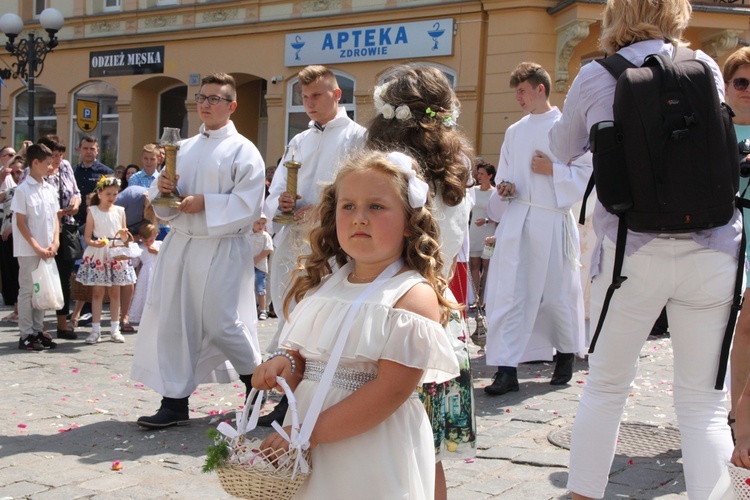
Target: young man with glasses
201, 310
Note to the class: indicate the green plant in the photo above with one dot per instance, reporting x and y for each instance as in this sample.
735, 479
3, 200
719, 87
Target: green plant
217, 453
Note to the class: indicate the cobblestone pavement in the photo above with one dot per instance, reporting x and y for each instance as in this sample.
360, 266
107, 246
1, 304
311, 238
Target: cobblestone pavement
69, 414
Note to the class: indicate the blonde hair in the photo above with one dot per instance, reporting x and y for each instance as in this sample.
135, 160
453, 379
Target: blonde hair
421, 251
312, 74
629, 21
147, 230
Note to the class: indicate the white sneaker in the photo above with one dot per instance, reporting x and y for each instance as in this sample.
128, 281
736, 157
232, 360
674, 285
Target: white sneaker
117, 337
93, 338
262, 316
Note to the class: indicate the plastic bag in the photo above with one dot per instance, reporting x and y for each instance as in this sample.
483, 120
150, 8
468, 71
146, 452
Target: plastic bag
47, 293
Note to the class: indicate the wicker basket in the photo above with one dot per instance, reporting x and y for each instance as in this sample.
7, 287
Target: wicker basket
264, 482
262, 477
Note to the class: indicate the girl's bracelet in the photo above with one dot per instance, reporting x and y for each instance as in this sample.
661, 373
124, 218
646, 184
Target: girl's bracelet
287, 356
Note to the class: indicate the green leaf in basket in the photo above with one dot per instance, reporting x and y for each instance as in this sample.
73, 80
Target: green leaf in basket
217, 453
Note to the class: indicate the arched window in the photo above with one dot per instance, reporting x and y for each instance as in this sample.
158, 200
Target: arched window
107, 125
45, 118
297, 119
172, 110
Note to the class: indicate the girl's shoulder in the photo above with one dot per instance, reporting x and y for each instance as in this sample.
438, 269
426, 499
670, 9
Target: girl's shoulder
420, 299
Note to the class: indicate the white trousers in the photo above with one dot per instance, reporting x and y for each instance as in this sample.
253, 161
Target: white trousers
696, 284
30, 320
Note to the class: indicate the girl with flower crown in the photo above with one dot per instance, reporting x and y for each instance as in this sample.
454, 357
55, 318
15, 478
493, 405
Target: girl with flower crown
417, 112
105, 221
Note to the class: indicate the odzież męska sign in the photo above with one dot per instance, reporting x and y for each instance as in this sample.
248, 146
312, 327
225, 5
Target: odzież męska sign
140, 61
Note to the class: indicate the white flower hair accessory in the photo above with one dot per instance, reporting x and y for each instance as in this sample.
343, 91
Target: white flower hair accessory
402, 112
418, 188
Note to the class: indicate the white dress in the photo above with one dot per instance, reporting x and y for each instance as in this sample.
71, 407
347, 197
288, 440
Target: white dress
395, 459
147, 261
477, 234
97, 268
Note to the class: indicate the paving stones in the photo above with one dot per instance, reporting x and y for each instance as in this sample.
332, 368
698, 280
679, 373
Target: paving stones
71, 412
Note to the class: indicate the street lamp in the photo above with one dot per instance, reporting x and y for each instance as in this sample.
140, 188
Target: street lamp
31, 52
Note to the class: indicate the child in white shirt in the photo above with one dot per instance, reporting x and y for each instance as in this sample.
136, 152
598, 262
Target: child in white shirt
262, 248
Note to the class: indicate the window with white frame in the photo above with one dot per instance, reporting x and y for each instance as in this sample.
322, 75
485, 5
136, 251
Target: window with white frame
111, 5
297, 119
167, 2
108, 124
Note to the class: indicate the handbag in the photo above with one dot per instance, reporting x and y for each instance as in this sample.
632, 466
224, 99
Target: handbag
733, 484
71, 247
47, 292
70, 242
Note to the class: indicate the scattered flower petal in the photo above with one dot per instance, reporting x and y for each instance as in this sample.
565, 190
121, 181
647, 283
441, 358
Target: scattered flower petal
116, 465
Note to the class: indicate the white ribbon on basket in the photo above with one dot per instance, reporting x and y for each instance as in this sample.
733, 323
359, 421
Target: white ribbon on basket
300, 439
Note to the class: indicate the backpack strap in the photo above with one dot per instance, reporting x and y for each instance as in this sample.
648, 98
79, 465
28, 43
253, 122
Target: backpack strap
726, 344
616, 65
617, 278
586, 194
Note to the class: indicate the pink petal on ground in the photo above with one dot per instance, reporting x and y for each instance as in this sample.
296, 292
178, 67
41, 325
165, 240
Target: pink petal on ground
138, 385
75, 370
22, 426
116, 465
469, 460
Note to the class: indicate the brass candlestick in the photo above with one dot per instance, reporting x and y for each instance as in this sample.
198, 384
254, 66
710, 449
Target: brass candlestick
292, 167
170, 140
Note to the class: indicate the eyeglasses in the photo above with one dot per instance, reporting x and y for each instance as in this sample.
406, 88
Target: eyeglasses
212, 99
7, 154
740, 84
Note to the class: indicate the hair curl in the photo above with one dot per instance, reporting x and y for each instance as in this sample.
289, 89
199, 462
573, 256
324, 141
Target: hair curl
421, 250
441, 151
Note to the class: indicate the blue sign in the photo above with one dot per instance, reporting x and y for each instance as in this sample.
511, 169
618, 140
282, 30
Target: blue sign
370, 43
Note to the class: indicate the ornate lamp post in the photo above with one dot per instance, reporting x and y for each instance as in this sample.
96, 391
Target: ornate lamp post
30, 52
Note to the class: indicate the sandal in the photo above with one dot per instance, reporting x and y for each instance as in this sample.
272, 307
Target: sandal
11, 318
127, 328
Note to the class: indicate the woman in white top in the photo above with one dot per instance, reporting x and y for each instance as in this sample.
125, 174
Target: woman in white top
481, 227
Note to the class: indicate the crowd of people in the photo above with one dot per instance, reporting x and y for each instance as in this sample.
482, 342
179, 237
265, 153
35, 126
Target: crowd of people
381, 253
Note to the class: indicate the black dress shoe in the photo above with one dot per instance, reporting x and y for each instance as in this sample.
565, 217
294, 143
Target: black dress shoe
276, 415
563, 368
173, 411
66, 334
164, 418
504, 382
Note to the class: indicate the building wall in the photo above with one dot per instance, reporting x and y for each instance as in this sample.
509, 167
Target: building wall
247, 39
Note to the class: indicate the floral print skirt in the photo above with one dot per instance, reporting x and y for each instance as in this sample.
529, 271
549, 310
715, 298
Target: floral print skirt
450, 405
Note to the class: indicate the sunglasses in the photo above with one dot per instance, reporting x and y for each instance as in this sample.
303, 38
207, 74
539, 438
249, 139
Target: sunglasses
740, 84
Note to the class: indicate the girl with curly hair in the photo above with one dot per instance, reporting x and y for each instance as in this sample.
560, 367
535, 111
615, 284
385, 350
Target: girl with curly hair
375, 226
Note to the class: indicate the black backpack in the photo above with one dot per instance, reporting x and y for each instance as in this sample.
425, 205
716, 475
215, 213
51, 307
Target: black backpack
668, 163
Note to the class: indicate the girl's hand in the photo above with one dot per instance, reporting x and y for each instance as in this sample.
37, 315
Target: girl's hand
741, 453
100, 243
479, 222
274, 445
264, 377
123, 235
153, 250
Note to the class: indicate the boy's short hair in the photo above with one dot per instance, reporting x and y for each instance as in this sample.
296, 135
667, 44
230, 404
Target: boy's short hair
533, 73
222, 79
312, 74
37, 152
151, 148
147, 230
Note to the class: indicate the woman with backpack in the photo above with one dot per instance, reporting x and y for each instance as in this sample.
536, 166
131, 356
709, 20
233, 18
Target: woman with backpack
692, 273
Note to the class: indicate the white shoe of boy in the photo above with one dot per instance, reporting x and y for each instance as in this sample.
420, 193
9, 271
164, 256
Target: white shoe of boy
117, 337
93, 338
